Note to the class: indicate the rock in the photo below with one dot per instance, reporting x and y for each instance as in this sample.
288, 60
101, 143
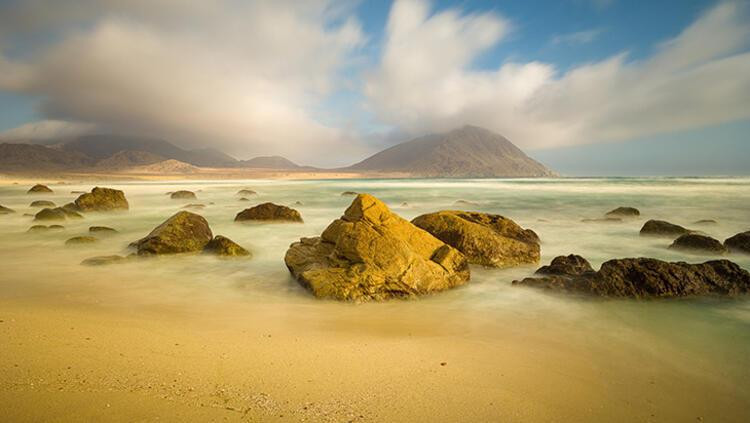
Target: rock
103, 260
71, 207
348, 193
194, 206
485, 239
78, 240
648, 278
102, 230
42, 203
56, 227
244, 192
102, 200
662, 228
603, 220
571, 265
624, 212
372, 254
697, 243
705, 222
57, 213
404, 204
298, 203
465, 203
78, 192
39, 189
5, 210
739, 243
44, 228
269, 212
184, 232
27, 214
243, 199
224, 246
183, 195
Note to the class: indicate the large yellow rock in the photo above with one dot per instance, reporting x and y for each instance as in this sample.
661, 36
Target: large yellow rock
486, 239
371, 253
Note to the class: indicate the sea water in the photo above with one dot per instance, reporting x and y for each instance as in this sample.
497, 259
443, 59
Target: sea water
706, 336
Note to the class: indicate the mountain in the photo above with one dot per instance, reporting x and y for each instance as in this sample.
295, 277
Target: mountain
166, 166
469, 151
129, 158
269, 162
100, 147
38, 157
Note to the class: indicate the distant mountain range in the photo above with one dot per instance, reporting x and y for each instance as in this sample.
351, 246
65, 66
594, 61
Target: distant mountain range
469, 151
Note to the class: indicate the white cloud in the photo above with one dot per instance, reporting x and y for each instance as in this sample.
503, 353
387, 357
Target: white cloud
244, 77
577, 38
425, 81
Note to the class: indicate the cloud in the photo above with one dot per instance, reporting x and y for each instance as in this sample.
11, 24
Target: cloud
46, 130
577, 38
425, 81
246, 78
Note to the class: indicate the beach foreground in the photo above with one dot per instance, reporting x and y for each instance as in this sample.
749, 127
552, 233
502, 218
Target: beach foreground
208, 339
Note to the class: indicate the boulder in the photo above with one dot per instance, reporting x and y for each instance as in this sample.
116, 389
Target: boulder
39, 189
42, 203
697, 243
57, 213
269, 212
739, 243
102, 230
223, 246
624, 212
485, 239
348, 193
102, 200
571, 265
646, 278
78, 240
5, 210
372, 254
244, 192
184, 232
662, 229
183, 195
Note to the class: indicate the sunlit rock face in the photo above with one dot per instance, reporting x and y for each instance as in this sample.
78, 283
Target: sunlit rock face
372, 254
184, 232
102, 199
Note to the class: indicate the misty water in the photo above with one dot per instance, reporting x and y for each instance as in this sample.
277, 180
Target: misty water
706, 337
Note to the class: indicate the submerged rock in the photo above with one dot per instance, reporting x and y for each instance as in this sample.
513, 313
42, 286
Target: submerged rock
644, 278
624, 212
78, 240
697, 243
348, 193
39, 189
224, 246
42, 203
102, 230
102, 199
269, 212
44, 228
485, 239
194, 206
244, 192
465, 203
739, 243
57, 213
372, 254
705, 222
184, 232
183, 195
5, 210
78, 192
602, 220
244, 199
104, 260
571, 265
662, 228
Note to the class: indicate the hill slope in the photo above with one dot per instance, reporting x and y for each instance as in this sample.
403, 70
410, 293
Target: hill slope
269, 162
469, 151
39, 157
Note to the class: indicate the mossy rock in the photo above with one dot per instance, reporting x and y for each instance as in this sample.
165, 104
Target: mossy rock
223, 246
184, 232
269, 212
102, 200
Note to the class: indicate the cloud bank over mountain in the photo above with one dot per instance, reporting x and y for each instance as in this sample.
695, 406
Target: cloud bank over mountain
256, 77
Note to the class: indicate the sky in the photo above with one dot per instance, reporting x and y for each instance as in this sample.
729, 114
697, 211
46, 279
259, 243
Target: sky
588, 87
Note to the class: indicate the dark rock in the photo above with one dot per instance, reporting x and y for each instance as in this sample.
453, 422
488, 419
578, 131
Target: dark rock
5, 210
102, 230
104, 260
51, 214
570, 265
184, 232
739, 243
101, 200
244, 199
78, 240
697, 243
485, 239
42, 203
465, 203
56, 227
183, 195
624, 212
298, 203
39, 189
662, 229
224, 246
603, 220
348, 193
244, 192
648, 278
194, 206
705, 222
269, 212
78, 192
